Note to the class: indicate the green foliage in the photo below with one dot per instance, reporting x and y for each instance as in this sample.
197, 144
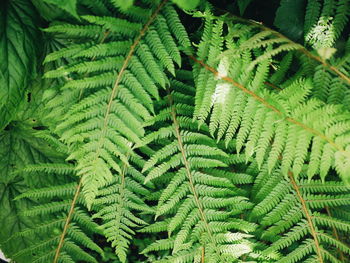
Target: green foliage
109, 99
290, 18
69, 6
235, 101
296, 217
325, 22
242, 5
21, 145
187, 5
175, 131
54, 207
196, 216
118, 203
19, 39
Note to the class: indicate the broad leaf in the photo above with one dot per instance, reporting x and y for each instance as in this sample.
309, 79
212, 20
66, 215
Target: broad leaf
20, 145
69, 6
49, 12
18, 45
290, 18
187, 5
242, 5
123, 4
15, 152
11, 220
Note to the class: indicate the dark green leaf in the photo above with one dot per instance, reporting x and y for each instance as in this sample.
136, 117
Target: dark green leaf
242, 5
70, 6
123, 4
19, 146
290, 18
187, 5
48, 11
11, 220
15, 152
18, 44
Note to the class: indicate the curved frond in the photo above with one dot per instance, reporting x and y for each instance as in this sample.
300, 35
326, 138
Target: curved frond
114, 79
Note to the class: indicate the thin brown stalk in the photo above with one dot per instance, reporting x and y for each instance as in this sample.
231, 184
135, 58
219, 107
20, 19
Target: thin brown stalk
187, 165
307, 216
66, 224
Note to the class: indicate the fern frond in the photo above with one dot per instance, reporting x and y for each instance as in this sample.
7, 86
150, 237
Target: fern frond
117, 205
199, 202
116, 87
290, 217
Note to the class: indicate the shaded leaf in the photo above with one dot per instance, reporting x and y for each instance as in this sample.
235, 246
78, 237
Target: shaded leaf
123, 4
18, 45
69, 6
187, 5
242, 5
290, 18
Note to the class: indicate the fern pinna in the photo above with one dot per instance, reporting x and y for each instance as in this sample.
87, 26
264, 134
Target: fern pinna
200, 204
334, 90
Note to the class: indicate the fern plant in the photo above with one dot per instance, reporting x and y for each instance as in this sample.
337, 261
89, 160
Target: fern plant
175, 131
